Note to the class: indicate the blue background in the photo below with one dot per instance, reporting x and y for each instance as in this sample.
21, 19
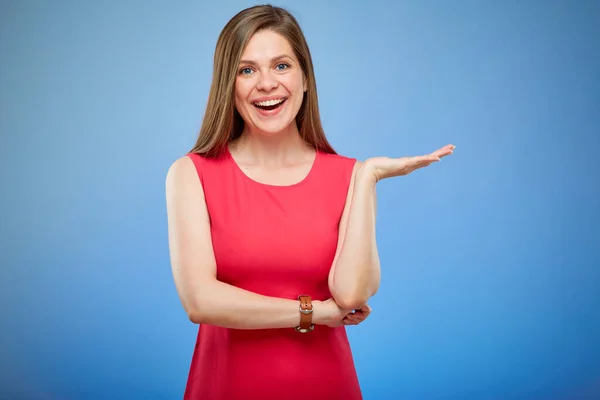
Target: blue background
491, 259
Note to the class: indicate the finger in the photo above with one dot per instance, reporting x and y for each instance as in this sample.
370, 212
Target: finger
361, 315
356, 317
421, 161
444, 151
446, 148
428, 158
352, 314
366, 308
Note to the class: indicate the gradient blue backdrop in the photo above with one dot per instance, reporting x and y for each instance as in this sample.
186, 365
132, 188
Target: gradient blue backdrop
491, 259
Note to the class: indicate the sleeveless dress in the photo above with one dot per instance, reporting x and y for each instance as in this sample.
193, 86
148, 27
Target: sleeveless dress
276, 241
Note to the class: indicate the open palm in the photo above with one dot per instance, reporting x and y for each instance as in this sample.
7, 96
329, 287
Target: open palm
386, 167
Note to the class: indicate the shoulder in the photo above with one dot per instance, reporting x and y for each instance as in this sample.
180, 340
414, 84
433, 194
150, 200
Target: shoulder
337, 159
183, 171
185, 196
345, 163
194, 168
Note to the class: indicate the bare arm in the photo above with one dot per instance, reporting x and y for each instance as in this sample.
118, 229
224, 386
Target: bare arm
205, 299
355, 274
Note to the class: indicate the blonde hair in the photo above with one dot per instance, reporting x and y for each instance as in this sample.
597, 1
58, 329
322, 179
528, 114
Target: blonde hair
222, 123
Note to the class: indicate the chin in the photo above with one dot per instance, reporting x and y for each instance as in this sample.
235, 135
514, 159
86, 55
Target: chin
271, 129
271, 126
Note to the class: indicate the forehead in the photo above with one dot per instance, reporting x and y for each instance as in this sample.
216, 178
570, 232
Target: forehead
266, 44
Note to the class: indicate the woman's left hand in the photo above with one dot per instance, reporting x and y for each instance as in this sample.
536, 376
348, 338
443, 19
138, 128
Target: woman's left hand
379, 168
357, 316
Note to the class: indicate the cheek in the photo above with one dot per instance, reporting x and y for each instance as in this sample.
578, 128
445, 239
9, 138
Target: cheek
241, 92
295, 87
300, 94
300, 89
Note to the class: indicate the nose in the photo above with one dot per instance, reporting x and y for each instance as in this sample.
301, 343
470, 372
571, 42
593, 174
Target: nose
266, 82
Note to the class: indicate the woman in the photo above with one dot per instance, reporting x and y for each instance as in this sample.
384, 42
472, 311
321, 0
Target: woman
271, 233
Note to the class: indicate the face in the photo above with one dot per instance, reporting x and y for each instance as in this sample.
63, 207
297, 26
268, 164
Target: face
270, 85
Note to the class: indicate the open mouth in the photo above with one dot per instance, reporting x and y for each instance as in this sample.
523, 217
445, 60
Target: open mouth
269, 105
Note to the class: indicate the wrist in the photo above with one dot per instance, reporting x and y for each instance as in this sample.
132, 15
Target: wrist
319, 312
366, 174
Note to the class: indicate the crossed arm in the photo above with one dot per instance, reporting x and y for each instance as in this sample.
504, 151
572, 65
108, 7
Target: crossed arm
354, 275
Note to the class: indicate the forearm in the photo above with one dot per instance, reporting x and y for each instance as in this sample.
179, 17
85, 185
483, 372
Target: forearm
221, 304
357, 273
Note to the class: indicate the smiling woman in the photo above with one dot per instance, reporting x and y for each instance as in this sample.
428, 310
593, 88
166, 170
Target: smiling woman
271, 233
270, 83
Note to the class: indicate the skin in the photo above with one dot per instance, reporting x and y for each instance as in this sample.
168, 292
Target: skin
270, 150
269, 68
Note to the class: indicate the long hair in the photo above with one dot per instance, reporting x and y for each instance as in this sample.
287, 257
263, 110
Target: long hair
222, 123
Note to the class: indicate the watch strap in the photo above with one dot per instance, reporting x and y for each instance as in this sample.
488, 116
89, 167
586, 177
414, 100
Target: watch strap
306, 310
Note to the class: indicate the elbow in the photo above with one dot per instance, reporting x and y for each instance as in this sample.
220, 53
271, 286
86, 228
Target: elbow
353, 299
352, 293
196, 314
196, 305
194, 317
351, 302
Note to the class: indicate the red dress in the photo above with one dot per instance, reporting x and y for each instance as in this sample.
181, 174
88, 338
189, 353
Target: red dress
276, 241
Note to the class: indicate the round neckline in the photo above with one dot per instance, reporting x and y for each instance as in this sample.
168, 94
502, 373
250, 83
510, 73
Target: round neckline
300, 182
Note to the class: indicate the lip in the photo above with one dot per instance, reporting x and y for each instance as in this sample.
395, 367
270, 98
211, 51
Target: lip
271, 113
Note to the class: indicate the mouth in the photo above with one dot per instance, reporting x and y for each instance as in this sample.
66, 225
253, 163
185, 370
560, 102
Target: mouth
269, 105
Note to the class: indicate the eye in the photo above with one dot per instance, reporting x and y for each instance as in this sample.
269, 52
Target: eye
245, 71
282, 66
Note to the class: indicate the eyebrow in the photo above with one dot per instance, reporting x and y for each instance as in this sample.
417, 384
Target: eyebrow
272, 59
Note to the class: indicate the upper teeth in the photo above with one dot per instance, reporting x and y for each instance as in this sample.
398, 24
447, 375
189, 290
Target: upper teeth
268, 102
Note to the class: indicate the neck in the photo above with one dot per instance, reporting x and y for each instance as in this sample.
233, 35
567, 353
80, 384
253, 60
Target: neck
271, 149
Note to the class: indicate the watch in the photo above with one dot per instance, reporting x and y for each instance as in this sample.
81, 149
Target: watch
306, 310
